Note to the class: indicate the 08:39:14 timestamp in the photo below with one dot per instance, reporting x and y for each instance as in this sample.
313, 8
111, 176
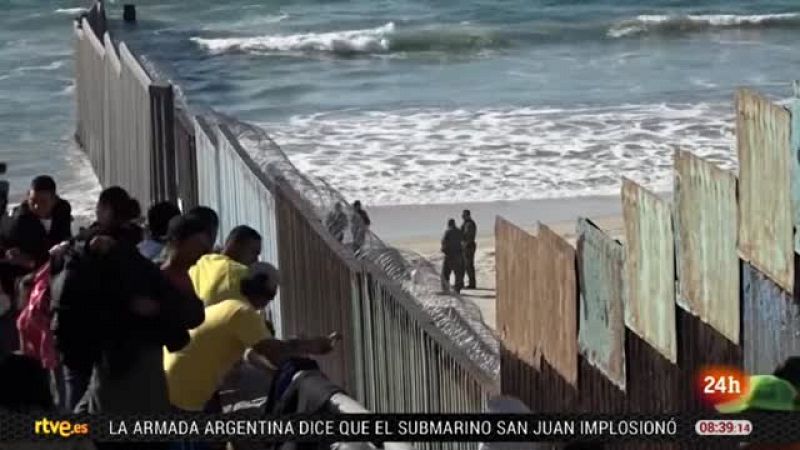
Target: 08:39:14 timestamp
723, 427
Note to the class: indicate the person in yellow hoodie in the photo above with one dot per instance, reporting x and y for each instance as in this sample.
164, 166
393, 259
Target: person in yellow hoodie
232, 325
216, 276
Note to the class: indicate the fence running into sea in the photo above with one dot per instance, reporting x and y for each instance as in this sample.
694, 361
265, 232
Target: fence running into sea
395, 356
707, 279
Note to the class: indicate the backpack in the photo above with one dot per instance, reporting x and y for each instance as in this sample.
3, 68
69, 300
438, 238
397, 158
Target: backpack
33, 323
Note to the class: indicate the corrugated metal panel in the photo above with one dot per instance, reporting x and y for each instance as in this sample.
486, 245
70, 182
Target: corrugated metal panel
771, 322
706, 233
795, 159
765, 208
557, 295
649, 268
515, 274
601, 335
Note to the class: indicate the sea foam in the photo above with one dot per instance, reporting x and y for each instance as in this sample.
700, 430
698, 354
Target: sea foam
437, 156
673, 23
374, 40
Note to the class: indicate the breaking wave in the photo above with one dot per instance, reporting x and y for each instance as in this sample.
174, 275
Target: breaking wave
694, 23
70, 11
380, 40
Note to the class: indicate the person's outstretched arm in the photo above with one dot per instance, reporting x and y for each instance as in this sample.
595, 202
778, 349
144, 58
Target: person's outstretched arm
276, 350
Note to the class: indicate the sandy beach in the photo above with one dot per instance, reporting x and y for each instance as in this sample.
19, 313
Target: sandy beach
419, 229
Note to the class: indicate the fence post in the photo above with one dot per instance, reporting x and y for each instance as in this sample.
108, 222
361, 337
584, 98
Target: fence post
162, 111
185, 160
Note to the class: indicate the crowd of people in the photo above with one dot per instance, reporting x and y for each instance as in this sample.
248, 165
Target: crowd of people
119, 317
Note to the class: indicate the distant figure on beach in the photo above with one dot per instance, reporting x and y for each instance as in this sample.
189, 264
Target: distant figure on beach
453, 256
469, 229
359, 225
336, 222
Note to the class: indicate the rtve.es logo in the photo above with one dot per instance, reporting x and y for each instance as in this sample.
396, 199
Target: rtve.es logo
63, 428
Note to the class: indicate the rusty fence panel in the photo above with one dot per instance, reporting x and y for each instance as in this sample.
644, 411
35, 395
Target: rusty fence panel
557, 292
765, 209
649, 268
537, 318
706, 234
771, 322
601, 335
515, 302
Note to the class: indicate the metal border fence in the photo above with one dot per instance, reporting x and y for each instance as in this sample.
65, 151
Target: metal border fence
394, 358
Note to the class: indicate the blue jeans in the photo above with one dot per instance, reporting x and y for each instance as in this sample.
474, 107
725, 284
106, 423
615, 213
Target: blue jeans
76, 381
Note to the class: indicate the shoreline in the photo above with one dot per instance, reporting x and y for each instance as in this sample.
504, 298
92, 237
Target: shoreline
413, 223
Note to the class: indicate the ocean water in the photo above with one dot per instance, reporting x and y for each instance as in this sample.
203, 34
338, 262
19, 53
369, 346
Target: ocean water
430, 101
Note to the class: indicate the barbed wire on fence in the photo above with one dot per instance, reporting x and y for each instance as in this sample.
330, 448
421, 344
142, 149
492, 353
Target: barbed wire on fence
458, 318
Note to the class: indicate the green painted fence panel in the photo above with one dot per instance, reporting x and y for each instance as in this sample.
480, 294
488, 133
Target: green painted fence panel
705, 234
649, 268
765, 206
601, 315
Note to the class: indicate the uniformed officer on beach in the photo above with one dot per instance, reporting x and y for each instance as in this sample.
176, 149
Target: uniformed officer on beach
469, 230
452, 247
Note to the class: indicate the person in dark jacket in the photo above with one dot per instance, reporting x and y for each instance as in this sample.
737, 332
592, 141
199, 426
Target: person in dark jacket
38, 223
469, 230
336, 222
359, 224
142, 311
113, 228
453, 256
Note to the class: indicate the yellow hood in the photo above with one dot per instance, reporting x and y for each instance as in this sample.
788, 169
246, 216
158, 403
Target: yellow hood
216, 278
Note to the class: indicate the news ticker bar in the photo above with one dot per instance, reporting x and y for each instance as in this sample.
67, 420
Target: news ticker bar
377, 428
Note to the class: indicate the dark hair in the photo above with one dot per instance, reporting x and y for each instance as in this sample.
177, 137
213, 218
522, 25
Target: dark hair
121, 204
43, 183
451, 222
206, 215
242, 233
789, 371
182, 228
466, 212
255, 285
357, 204
159, 217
